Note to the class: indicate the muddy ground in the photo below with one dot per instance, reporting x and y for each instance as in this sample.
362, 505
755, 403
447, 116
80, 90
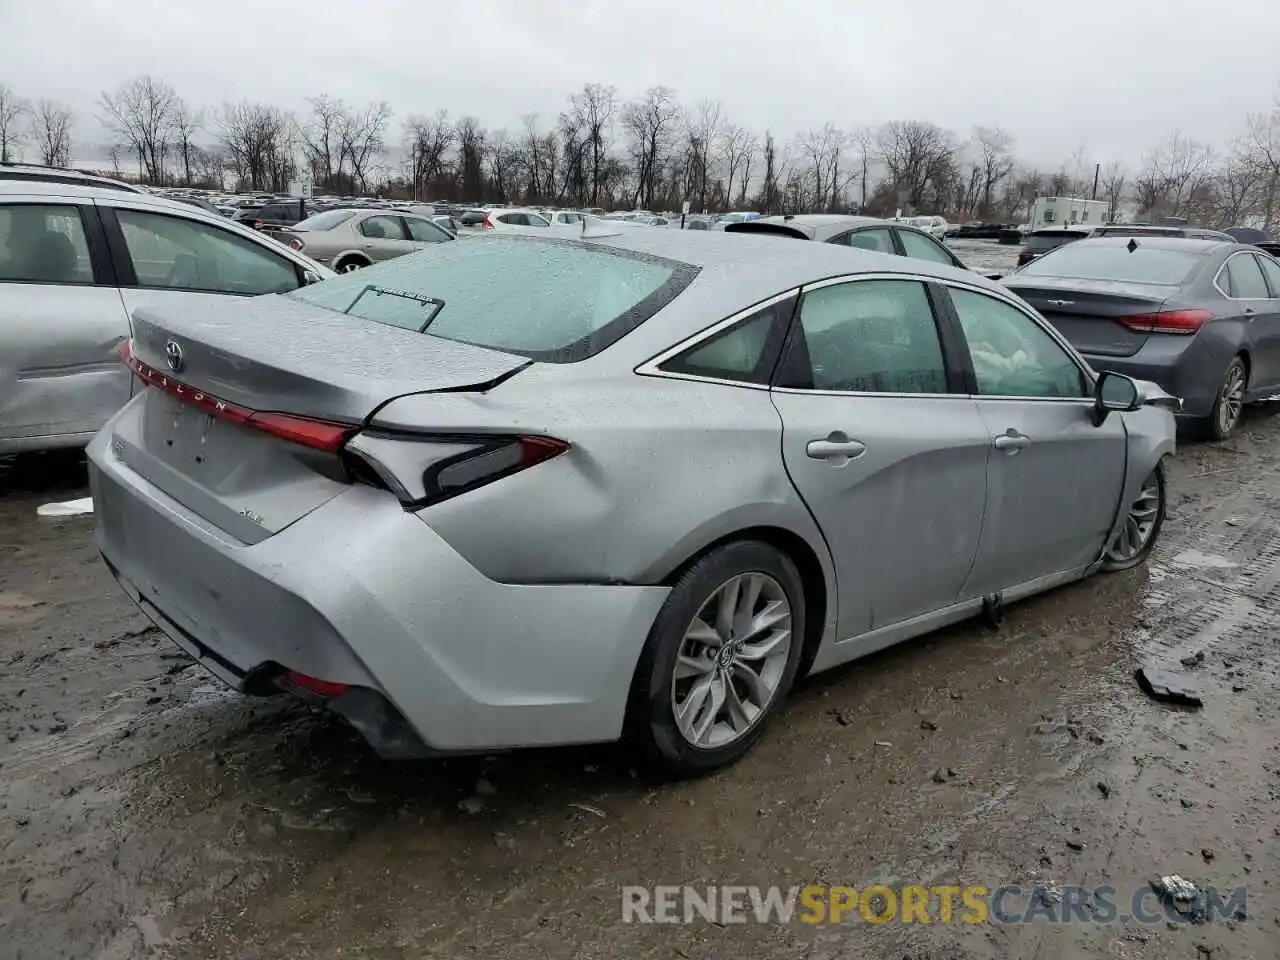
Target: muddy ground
144, 812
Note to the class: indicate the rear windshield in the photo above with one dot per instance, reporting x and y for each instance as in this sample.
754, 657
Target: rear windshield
327, 220
550, 300
1110, 261
1042, 242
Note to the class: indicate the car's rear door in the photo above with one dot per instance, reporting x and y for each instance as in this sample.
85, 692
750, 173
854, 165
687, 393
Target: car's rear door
884, 446
61, 322
1054, 479
165, 259
384, 237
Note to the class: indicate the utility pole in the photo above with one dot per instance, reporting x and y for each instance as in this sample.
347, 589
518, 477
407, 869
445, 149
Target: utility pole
1097, 169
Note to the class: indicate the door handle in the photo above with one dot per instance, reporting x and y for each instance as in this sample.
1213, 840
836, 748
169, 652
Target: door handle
836, 448
1011, 442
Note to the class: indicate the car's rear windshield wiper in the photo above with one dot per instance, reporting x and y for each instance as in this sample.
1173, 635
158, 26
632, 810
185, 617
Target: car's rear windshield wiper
399, 308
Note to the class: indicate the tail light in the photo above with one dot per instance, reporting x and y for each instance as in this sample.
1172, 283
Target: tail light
428, 469
487, 224
323, 435
1168, 321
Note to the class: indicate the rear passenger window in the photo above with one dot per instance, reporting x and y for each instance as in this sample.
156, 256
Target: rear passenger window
1272, 270
920, 247
43, 243
1244, 278
868, 336
745, 352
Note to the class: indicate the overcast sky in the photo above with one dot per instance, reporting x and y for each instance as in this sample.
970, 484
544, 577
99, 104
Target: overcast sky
1110, 75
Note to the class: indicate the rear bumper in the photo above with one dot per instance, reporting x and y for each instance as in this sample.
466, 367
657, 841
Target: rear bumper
362, 593
1183, 366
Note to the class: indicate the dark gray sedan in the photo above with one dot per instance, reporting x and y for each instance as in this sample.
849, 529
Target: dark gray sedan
1199, 317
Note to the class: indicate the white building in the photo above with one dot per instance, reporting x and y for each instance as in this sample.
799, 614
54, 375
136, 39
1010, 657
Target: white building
1067, 211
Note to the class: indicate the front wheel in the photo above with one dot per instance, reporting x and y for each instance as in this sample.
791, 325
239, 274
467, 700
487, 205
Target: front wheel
1140, 529
719, 659
351, 265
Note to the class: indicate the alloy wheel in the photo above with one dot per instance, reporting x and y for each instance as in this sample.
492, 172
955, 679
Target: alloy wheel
351, 266
1139, 524
731, 660
1231, 399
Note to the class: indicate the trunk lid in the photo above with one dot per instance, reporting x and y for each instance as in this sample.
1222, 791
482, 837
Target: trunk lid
1089, 318
214, 367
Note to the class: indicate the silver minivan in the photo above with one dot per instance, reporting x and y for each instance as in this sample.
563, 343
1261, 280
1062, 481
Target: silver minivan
75, 262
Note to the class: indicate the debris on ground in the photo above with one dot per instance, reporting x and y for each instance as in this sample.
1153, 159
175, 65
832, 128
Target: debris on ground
1103, 788
883, 743
928, 725
588, 808
1168, 686
1174, 887
471, 804
1076, 845
1206, 853
841, 717
66, 508
943, 774
1194, 660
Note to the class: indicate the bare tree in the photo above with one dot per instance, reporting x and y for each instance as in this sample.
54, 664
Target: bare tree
650, 125
186, 124
51, 128
429, 139
362, 138
770, 199
1174, 174
916, 154
995, 162
13, 111
1113, 182
1260, 149
322, 140
258, 141
864, 140
472, 146
822, 150
504, 166
593, 109
737, 146
701, 130
142, 113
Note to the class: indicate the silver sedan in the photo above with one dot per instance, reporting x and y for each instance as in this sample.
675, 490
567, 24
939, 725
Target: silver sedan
348, 240
520, 491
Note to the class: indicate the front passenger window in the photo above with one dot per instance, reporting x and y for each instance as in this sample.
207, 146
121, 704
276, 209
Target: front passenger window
172, 253
878, 240
920, 247
1012, 356
867, 336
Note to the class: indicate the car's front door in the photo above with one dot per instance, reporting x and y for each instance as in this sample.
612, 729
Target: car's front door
1263, 318
888, 453
1054, 479
61, 322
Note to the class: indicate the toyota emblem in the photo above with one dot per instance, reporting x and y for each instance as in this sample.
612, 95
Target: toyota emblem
173, 356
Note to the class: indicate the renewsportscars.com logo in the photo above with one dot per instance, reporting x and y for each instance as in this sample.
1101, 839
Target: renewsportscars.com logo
972, 904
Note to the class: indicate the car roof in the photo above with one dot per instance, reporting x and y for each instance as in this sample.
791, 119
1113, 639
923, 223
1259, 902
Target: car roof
763, 263
815, 226
34, 173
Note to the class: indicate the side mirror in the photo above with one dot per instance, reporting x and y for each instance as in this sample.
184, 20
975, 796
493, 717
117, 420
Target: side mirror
994, 276
1114, 391
310, 276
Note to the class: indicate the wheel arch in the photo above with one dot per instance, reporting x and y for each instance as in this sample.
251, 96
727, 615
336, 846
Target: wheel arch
814, 566
350, 255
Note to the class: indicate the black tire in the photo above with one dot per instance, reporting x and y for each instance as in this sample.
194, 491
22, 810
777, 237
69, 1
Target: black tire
347, 263
650, 722
1111, 565
1213, 425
